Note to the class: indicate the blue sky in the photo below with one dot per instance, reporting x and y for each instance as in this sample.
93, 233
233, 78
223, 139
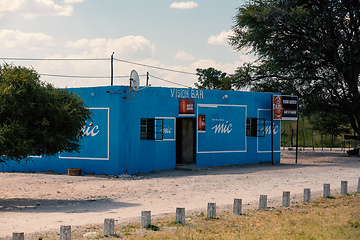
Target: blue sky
163, 33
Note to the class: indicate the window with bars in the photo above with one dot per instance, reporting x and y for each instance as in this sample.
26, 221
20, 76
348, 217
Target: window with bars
255, 127
151, 129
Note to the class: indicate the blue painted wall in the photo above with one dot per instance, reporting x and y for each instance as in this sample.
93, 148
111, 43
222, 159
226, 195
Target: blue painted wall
113, 144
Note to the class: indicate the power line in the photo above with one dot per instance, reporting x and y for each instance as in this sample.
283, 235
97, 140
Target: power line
73, 76
55, 59
99, 59
160, 68
95, 59
170, 81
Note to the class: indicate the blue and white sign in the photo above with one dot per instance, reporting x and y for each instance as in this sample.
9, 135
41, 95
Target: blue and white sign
264, 143
224, 123
95, 144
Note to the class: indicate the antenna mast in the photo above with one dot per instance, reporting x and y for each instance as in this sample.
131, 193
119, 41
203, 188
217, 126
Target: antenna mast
112, 69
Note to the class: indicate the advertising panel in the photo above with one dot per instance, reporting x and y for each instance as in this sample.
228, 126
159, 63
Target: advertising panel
201, 123
95, 144
285, 107
186, 106
225, 131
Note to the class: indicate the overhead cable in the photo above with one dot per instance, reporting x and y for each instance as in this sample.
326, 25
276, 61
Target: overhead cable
72, 76
160, 68
95, 59
55, 59
169, 81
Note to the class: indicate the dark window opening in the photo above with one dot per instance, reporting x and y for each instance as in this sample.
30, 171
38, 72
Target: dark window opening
255, 127
151, 129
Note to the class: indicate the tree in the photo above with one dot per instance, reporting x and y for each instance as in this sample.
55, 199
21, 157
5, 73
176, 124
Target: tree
211, 78
331, 123
36, 118
307, 48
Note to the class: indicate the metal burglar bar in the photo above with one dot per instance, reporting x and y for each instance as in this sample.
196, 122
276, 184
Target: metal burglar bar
151, 129
158, 129
255, 127
147, 128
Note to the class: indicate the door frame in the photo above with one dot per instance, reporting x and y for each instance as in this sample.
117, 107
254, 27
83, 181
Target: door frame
179, 127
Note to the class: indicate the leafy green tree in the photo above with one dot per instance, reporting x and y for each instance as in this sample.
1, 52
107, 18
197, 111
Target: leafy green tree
36, 118
307, 48
211, 78
332, 123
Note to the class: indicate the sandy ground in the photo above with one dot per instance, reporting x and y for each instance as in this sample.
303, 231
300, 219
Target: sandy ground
42, 202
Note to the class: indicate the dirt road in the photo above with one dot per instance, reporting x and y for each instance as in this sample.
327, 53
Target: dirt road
40, 202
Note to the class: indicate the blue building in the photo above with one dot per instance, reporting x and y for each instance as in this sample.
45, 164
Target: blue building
158, 128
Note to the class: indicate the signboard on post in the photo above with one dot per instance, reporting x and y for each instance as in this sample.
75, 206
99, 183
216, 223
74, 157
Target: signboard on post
285, 107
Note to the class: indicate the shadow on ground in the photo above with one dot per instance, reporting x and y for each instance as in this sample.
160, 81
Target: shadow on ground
63, 206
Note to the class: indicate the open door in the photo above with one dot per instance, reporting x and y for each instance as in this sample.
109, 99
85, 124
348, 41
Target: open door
186, 141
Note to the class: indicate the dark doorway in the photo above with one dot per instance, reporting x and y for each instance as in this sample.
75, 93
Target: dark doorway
185, 140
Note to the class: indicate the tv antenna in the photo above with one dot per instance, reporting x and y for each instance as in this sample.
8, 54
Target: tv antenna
134, 83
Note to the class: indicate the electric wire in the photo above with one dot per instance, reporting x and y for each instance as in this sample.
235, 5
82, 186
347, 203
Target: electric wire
77, 76
99, 59
95, 59
55, 59
170, 81
160, 68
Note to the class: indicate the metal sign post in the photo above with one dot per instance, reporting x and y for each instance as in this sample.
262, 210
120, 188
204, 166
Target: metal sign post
284, 107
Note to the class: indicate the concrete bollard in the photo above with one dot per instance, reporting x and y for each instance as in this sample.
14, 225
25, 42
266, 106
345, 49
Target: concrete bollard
109, 226
18, 236
145, 219
263, 202
237, 206
211, 210
286, 199
343, 189
65, 232
307, 195
358, 186
326, 192
180, 215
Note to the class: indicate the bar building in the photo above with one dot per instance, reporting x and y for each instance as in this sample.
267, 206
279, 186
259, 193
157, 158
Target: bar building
158, 128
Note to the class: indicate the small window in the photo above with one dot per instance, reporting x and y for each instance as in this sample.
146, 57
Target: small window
255, 127
151, 129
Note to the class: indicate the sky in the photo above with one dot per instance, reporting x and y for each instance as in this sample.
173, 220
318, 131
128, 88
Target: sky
70, 42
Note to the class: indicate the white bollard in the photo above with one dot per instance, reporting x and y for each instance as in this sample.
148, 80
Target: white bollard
343, 188
211, 210
145, 219
237, 206
326, 192
180, 215
109, 226
65, 232
286, 199
18, 236
307, 195
263, 202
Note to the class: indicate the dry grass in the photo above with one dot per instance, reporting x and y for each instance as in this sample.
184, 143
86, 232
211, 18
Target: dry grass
325, 218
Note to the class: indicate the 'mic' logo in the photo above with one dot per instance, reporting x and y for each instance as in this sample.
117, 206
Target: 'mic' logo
90, 130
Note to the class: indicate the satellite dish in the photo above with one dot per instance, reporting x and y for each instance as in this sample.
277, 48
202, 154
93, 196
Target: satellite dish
134, 80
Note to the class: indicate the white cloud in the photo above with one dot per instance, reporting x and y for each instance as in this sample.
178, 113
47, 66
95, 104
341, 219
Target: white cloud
19, 41
126, 46
131, 48
184, 5
181, 55
220, 39
34, 8
73, 1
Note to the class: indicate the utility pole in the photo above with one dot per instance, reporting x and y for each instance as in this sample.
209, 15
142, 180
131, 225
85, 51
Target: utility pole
112, 69
147, 79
